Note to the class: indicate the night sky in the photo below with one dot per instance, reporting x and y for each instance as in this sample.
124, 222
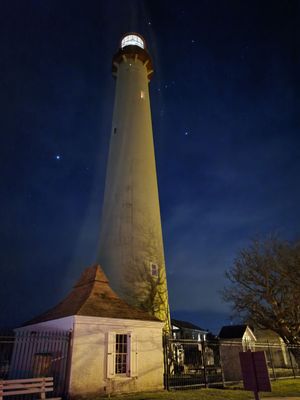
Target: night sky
226, 118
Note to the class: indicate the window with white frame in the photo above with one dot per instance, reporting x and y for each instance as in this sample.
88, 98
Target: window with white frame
121, 355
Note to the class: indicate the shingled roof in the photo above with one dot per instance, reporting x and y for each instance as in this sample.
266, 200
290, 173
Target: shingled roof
186, 325
232, 331
92, 296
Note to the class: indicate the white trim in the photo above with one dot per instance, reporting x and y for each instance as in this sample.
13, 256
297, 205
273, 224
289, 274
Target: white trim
64, 323
250, 332
131, 355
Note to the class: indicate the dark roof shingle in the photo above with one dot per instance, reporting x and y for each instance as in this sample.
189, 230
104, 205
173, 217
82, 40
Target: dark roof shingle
232, 331
92, 296
186, 325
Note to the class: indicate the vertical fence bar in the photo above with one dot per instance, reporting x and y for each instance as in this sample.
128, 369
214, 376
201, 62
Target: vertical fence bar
67, 366
18, 355
61, 365
166, 357
34, 338
25, 349
204, 362
222, 372
271, 360
291, 361
56, 343
13, 357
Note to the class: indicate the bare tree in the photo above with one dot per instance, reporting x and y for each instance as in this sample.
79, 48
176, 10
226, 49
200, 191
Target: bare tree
264, 288
150, 290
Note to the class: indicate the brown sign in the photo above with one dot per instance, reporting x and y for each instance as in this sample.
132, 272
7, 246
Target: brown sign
255, 371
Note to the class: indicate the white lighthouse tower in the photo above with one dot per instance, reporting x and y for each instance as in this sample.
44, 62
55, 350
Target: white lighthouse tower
131, 243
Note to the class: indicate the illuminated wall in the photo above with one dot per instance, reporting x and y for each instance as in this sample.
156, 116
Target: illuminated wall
93, 357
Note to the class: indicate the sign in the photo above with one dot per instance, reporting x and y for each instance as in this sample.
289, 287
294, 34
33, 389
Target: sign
255, 372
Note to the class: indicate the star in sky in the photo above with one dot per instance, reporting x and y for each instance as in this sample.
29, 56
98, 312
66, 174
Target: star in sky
57, 157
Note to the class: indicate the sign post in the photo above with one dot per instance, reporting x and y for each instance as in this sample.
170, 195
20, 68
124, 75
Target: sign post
255, 372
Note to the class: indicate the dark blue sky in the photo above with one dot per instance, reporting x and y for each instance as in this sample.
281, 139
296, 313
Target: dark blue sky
225, 107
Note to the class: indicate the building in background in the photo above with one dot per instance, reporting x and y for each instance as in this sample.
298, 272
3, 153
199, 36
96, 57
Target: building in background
233, 340
131, 243
189, 348
187, 330
275, 348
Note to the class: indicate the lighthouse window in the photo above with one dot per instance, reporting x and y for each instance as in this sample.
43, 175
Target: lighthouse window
142, 94
132, 40
115, 130
154, 269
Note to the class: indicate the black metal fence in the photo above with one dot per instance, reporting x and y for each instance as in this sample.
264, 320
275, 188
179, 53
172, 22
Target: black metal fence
281, 359
30, 354
195, 364
7, 339
192, 364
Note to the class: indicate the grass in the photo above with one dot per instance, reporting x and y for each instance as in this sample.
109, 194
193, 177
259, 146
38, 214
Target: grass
285, 388
280, 388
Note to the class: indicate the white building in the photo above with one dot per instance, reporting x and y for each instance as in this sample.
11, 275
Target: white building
233, 340
115, 347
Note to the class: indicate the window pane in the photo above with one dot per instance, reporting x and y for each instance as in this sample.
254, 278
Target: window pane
154, 269
121, 354
130, 40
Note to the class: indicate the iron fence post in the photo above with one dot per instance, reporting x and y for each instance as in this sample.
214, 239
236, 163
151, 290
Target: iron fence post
291, 361
204, 362
166, 362
271, 359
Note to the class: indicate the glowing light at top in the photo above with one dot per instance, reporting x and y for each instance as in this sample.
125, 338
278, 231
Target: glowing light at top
132, 40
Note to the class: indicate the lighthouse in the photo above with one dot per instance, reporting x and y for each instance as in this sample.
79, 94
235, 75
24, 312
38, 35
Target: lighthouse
131, 243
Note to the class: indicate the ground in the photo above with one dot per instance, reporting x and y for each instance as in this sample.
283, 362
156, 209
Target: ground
282, 388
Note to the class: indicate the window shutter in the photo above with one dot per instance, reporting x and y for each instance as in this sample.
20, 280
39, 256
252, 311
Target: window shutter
111, 345
133, 355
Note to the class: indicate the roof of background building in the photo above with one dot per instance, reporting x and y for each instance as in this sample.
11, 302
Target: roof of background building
187, 325
232, 331
92, 296
266, 335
